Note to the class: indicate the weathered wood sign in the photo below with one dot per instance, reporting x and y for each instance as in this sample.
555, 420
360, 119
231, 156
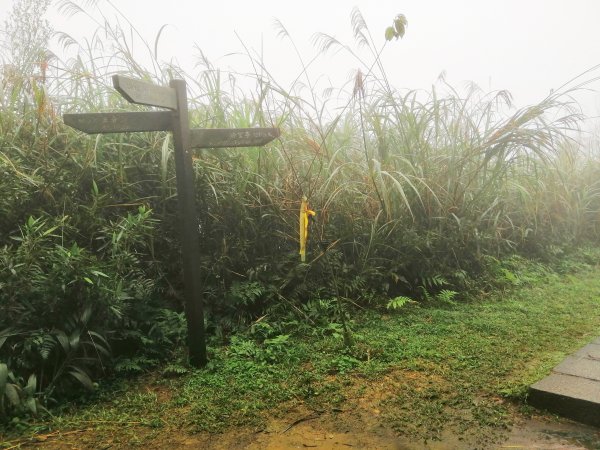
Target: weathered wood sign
143, 93
174, 97
227, 137
120, 122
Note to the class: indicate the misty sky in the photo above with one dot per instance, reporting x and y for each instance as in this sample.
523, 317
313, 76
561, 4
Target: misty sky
527, 47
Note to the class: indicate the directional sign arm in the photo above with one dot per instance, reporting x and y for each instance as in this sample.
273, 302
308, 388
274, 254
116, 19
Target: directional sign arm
143, 93
92, 123
231, 137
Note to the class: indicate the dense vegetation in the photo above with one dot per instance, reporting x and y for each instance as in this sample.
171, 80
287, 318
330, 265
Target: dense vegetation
432, 372
417, 196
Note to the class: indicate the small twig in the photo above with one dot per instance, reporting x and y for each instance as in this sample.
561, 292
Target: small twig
120, 422
43, 437
295, 307
38, 438
14, 446
303, 419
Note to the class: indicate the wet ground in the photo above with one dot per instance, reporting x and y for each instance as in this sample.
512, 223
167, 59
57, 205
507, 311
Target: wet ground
360, 428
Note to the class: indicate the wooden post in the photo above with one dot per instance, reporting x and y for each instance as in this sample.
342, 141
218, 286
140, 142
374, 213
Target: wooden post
190, 244
184, 139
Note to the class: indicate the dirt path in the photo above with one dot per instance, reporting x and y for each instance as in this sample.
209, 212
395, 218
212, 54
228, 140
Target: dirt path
360, 428
362, 422
341, 433
528, 435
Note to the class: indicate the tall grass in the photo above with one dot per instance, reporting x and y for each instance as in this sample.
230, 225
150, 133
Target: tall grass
414, 191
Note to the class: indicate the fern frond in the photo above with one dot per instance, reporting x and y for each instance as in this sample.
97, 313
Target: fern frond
399, 302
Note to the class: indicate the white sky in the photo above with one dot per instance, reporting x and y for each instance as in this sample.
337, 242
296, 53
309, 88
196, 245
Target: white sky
525, 46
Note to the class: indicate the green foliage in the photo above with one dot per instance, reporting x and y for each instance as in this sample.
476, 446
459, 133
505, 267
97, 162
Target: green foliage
343, 364
174, 370
430, 371
245, 293
158, 339
446, 296
62, 304
418, 196
399, 302
16, 397
269, 351
518, 271
134, 364
398, 29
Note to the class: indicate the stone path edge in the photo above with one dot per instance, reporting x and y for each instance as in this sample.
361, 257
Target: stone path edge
572, 389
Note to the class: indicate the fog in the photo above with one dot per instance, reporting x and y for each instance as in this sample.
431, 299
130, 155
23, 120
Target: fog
528, 48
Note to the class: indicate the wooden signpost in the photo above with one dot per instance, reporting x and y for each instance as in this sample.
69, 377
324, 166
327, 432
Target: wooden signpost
176, 120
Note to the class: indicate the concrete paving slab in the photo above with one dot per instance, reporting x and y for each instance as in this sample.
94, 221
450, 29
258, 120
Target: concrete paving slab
570, 386
591, 351
573, 388
579, 367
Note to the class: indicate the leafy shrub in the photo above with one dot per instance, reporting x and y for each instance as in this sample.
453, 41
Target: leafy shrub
62, 305
16, 398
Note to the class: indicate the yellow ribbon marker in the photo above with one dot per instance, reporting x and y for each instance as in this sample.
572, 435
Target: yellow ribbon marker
305, 213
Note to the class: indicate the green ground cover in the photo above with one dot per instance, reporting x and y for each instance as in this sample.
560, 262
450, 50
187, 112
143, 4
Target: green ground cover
462, 367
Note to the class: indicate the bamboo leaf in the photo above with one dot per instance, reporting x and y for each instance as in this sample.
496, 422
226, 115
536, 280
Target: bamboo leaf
3, 377
12, 393
5, 334
82, 377
31, 405
30, 388
63, 340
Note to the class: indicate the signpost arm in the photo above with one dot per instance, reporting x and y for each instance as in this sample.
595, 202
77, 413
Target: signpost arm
190, 247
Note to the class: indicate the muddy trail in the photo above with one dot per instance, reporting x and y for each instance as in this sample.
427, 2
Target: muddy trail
343, 430
359, 424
